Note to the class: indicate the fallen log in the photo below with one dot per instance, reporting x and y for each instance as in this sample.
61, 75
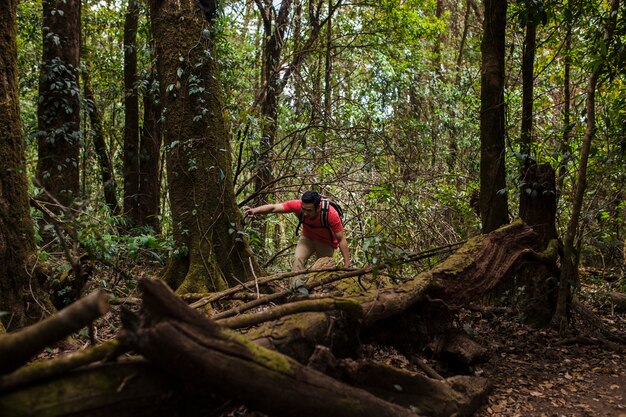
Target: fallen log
183, 342
456, 396
479, 267
46, 369
18, 347
126, 389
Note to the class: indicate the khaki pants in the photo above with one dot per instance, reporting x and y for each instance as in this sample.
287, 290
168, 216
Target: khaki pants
307, 247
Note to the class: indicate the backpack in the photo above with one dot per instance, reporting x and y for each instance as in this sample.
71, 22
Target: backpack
325, 203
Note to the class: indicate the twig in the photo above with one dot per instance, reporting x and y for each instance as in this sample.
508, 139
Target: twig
417, 361
256, 280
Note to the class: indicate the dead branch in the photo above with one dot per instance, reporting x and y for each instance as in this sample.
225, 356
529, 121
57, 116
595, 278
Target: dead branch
18, 347
274, 313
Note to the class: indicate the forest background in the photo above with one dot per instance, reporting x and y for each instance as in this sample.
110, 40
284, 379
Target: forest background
375, 104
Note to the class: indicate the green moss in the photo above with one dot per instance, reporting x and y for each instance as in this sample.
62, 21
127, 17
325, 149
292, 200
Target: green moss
265, 357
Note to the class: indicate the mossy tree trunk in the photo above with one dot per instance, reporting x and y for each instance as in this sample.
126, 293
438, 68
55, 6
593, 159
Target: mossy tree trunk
205, 216
493, 197
17, 239
58, 115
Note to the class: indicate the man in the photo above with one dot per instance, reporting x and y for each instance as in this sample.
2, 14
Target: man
315, 237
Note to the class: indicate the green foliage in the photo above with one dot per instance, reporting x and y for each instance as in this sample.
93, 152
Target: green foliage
391, 130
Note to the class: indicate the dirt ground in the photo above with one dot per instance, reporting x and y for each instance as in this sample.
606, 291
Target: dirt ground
536, 372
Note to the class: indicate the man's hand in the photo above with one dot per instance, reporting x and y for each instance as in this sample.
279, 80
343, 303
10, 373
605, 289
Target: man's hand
248, 210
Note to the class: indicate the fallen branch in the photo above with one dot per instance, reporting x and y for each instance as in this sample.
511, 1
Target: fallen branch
283, 294
274, 313
18, 347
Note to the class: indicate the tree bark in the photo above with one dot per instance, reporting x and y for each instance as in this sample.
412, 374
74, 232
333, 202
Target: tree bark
17, 236
58, 107
538, 201
493, 195
205, 217
150, 161
109, 185
528, 79
131, 115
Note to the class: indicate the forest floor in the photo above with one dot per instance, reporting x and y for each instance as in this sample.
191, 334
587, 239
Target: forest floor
535, 372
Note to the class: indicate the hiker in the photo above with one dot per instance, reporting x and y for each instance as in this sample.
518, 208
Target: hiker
322, 230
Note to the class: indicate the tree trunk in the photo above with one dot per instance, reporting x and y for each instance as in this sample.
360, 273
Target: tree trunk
569, 261
150, 161
528, 78
564, 146
109, 185
538, 201
274, 41
205, 216
131, 115
481, 266
17, 236
58, 107
493, 195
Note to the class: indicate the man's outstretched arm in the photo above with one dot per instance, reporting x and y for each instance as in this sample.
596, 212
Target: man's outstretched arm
264, 209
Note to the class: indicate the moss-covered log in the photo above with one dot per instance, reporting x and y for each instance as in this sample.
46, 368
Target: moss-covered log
182, 341
126, 389
479, 267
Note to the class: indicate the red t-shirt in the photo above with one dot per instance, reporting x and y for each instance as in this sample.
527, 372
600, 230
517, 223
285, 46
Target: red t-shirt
313, 229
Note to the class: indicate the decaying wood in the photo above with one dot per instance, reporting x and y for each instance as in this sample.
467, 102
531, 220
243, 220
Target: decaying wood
182, 341
125, 389
18, 347
41, 370
194, 350
480, 266
458, 396
273, 313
